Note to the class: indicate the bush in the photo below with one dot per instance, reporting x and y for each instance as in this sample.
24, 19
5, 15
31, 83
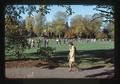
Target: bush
15, 46
46, 52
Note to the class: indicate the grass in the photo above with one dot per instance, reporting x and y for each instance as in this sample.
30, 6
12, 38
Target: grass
86, 62
84, 48
79, 46
82, 45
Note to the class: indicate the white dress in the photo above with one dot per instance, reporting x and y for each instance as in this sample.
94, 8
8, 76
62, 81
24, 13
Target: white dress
72, 54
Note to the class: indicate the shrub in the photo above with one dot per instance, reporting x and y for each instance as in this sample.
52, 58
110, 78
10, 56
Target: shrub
46, 52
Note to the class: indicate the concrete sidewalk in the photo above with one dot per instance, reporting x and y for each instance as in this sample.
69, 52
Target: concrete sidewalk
56, 73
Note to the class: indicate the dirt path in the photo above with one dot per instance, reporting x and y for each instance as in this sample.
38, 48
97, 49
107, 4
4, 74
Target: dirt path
59, 72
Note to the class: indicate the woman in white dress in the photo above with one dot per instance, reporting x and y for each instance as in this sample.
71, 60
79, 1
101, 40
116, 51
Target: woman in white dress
71, 56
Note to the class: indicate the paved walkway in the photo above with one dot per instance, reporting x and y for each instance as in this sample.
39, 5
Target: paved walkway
57, 73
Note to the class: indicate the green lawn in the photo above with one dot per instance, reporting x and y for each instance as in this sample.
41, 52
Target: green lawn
79, 46
64, 48
83, 45
97, 52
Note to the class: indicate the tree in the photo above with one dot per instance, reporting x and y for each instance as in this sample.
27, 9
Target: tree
77, 24
59, 22
14, 36
87, 26
91, 27
29, 23
106, 11
17, 10
39, 23
110, 28
10, 26
101, 35
95, 26
50, 29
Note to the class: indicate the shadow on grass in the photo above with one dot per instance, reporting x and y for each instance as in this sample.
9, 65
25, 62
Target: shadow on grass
94, 67
109, 74
95, 53
22, 59
103, 54
61, 57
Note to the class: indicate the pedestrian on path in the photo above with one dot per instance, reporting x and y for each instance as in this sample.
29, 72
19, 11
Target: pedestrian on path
71, 56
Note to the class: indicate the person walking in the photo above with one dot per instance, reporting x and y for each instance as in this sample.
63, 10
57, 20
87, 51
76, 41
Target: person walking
71, 57
57, 40
47, 42
32, 43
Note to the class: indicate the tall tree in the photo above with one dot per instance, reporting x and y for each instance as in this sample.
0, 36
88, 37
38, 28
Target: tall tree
15, 38
59, 22
11, 26
110, 28
77, 24
29, 22
91, 26
87, 26
50, 29
95, 26
39, 23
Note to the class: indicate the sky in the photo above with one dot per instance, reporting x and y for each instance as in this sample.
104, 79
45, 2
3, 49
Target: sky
78, 9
